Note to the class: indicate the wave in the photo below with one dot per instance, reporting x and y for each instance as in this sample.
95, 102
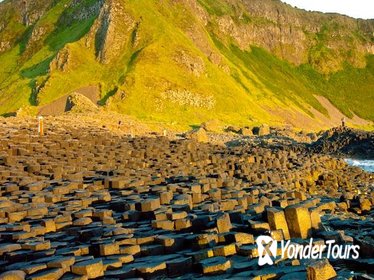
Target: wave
367, 165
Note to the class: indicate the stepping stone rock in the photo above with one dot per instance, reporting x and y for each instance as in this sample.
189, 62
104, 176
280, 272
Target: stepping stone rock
152, 269
217, 265
37, 246
50, 225
277, 220
151, 204
13, 275
224, 223
320, 270
30, 269
298, 221
4, 248
225, 250
109, 249
91, 268
49, 274
130, 250
82, 221
61, 262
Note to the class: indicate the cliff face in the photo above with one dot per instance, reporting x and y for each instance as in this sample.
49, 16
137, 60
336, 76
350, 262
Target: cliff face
16, 17
250, 60
324, 41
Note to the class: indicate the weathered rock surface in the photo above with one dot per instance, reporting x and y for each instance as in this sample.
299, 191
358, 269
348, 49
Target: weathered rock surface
346, 141
81, 202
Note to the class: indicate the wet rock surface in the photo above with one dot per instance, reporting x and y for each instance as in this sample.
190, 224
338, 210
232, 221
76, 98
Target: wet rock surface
83, 203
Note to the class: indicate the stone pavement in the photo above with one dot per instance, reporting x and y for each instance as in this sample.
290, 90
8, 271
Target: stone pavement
82, 203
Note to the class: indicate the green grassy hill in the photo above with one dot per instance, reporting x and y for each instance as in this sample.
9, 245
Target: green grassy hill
185, 62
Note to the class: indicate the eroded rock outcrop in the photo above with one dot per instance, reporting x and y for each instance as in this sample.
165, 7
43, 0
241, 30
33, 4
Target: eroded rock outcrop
346, 141
298, 37
112, 21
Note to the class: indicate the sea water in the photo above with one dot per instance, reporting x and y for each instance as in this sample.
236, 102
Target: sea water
367, 165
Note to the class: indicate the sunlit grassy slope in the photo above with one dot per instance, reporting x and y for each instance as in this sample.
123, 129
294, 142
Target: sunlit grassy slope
148, 81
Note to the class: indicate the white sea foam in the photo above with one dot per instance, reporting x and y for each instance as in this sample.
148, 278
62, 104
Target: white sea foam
367, 165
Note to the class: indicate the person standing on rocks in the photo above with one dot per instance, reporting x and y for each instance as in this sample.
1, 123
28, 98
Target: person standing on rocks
343, 122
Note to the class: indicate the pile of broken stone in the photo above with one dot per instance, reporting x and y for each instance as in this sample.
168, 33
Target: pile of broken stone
84, 203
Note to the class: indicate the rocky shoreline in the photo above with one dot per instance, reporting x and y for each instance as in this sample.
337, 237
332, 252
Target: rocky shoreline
346, 142
82, 202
